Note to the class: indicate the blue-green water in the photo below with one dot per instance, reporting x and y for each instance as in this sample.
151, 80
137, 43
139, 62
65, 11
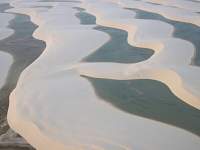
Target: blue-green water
150, 99
115, 50
186, 31
24, 49
146, 98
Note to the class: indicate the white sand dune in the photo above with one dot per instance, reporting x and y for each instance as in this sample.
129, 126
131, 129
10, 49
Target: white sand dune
170, 62
54, 108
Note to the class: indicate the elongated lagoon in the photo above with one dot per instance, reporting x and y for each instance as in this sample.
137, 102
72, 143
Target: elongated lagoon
24, 49
146, 98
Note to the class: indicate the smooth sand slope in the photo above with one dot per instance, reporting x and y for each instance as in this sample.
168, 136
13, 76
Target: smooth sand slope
53, 107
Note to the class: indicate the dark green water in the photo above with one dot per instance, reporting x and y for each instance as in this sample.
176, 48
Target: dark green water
24, 49
146, 98
186, 31
115, 50
150, 99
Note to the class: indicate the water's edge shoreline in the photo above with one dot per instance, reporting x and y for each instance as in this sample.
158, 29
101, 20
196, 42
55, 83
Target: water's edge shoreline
8, 138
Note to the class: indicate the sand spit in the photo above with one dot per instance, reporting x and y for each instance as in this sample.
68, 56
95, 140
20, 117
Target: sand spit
65, 112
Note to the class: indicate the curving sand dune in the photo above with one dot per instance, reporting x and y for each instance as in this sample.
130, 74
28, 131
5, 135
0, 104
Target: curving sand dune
53, 107
170, 62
